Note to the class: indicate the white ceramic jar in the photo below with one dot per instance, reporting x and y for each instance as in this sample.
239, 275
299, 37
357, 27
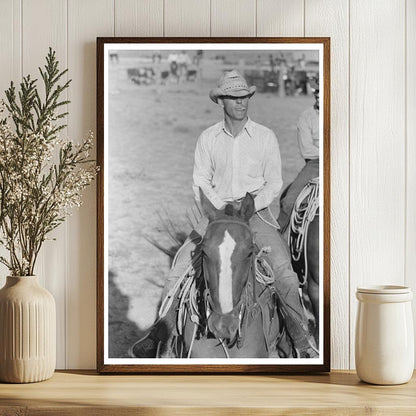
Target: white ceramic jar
384, 341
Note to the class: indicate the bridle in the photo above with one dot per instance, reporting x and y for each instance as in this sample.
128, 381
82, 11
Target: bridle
238, 311
249, 305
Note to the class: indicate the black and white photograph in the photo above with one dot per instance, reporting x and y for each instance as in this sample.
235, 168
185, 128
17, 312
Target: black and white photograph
212, 221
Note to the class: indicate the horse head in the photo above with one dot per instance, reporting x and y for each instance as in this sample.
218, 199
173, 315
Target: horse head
227, 250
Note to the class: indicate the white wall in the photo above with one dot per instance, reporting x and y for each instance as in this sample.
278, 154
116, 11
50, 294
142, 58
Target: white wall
373, 132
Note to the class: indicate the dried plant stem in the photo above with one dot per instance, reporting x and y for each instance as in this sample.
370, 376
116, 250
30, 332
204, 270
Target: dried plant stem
37, 194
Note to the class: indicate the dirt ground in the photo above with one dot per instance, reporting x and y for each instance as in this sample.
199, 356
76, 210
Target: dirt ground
153, 131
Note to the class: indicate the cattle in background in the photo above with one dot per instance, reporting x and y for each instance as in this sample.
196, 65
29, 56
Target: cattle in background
141, 76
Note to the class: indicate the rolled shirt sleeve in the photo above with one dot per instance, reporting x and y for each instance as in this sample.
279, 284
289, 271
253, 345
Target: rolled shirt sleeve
308, 127
272, 173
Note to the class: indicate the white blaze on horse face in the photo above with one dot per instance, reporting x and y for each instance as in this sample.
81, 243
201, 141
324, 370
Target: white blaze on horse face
225, 283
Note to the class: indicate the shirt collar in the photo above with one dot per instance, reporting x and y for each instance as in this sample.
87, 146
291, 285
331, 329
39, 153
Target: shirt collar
248, 127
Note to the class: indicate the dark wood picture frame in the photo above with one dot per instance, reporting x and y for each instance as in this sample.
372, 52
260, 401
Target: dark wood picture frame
105, 367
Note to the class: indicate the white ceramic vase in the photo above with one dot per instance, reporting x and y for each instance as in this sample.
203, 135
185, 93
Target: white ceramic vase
27, 331
384, 342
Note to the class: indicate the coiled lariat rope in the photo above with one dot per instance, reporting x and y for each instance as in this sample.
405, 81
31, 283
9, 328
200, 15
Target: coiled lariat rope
304, 211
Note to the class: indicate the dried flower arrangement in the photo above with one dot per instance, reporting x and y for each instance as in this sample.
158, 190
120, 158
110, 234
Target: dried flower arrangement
42, 176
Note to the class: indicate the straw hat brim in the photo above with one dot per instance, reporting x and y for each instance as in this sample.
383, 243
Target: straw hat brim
219, 92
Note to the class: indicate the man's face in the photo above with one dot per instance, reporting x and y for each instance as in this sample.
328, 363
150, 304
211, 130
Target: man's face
235, 107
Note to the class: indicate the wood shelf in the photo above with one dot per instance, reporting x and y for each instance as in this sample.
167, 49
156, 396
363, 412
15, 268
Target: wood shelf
87, 393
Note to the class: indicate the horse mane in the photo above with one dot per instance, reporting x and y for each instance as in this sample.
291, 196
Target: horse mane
176, 230
171, 227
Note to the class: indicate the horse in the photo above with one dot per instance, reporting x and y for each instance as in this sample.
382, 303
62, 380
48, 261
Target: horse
224, 311
302, 236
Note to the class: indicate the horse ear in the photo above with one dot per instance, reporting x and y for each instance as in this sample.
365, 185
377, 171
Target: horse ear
207, 207
247, 207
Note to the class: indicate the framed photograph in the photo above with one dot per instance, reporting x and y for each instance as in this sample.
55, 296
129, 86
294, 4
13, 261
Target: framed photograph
213, 205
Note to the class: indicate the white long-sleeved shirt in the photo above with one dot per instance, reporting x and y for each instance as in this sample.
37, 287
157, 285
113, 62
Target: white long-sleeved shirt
308, 133
228, 167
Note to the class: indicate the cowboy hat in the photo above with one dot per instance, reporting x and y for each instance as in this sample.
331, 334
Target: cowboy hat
233, 84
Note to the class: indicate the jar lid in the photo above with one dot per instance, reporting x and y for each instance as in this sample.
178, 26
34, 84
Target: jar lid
384, 289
